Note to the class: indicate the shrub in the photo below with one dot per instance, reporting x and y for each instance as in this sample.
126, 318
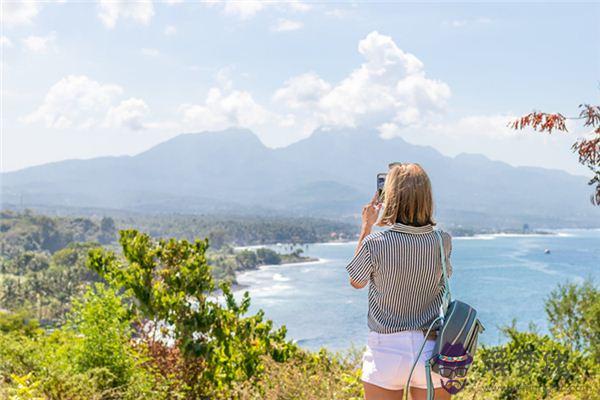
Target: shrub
170, 285
574, 315
104, 325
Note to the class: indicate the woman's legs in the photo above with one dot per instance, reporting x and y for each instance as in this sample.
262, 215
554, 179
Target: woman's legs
421, 394
373, 392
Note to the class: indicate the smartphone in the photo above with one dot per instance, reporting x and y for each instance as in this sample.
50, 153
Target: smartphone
380, 184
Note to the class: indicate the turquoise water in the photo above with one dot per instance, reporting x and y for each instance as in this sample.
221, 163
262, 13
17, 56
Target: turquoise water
505, 277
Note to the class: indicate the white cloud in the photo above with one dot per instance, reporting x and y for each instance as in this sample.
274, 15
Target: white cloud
170, 30
110, 11
5, 42
301, 91
286, 25
172, 2
249, 8
128, 114
80, 102
40, 44
16, 13
150, 52
243, 9
297, 5
223, 109
389, 87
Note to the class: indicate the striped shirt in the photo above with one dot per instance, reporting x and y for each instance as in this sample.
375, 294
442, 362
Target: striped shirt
404, 270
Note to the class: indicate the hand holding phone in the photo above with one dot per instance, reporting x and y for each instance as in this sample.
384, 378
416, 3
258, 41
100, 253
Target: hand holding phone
380, 185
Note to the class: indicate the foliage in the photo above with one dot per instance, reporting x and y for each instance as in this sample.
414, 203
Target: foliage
104, 325
27, 231
310, 376
574, 315
18, 322
47, 292
529, 365
588, 149
241, 230
170, 284
226, 262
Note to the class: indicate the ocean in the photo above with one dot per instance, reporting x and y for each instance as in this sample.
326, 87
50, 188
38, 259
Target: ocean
505, 277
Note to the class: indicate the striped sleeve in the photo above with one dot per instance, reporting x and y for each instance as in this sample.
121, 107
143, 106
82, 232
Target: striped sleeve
361, 265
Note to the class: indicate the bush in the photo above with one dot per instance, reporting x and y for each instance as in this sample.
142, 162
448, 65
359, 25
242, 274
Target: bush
171, 289
574, 315
528, 366
104, 325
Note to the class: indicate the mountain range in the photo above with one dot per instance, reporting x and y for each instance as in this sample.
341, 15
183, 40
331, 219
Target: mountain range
331, 174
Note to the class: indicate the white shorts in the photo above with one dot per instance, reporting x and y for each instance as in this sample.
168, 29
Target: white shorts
389, 357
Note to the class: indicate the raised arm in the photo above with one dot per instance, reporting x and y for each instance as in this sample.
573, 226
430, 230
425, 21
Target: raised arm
361, 265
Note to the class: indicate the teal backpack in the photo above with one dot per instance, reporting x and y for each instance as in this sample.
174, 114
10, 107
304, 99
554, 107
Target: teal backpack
456, 341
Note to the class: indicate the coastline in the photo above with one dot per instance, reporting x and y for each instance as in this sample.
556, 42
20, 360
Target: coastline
235, 286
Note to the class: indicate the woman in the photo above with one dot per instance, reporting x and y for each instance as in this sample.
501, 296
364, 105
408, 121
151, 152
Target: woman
402, 266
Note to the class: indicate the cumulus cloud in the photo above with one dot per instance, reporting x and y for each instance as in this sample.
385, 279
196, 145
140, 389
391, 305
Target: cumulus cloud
390, 86
110, 11
302, 91
129, 114
16, 13
286, 25
40, 44
249, 8
77, 101
223, 109
389, 90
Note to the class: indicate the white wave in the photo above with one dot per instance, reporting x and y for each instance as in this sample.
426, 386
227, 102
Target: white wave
280, 278
476, 237
267, 291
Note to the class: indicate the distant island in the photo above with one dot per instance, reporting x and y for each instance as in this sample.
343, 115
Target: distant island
471, 232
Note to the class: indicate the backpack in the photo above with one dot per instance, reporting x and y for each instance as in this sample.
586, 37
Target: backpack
456, 342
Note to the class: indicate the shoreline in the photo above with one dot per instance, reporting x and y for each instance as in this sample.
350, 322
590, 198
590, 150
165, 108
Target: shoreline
483, 235
239, 286
235, 286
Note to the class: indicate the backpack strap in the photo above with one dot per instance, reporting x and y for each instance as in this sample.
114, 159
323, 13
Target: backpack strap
447, 295
427, 366
429, 381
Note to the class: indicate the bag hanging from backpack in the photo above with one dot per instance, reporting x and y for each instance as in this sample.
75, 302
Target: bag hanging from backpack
456, 341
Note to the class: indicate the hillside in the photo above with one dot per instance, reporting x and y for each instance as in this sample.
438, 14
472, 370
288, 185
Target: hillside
329, 174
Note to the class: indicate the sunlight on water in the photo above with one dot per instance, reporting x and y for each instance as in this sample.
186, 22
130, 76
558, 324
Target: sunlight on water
505, 277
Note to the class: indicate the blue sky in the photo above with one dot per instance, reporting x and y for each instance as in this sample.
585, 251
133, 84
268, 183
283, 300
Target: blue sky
88, 79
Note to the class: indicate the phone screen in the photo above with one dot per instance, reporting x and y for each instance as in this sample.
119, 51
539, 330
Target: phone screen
380, 184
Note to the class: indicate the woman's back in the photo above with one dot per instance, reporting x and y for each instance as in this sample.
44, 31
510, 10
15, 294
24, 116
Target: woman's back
404, 270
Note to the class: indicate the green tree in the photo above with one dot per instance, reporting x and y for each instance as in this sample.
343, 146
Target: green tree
104, 324
171, 286
574, 315
108, 230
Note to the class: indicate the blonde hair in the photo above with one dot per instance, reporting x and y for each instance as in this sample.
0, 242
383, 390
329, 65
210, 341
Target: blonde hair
407, 197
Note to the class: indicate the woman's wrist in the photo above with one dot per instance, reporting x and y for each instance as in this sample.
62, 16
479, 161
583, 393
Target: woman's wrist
365, 229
